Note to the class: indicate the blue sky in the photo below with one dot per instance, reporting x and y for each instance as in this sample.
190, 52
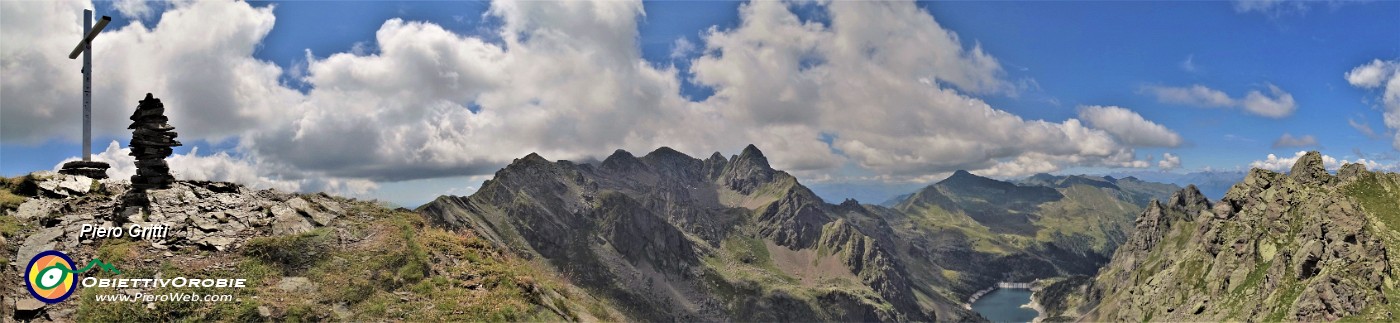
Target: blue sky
1225, 81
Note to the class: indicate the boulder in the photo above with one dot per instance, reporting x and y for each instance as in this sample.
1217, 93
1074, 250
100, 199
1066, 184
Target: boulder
288, 221
66, 185
36, 243
34, 208
301, 205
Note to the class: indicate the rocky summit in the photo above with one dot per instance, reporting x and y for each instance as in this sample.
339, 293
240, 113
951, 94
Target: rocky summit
669, 237
1302, 246
303, 256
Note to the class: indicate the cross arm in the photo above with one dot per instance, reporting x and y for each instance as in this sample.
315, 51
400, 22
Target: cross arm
88, 39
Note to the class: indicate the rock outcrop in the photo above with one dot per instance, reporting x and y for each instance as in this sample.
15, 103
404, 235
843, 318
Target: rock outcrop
1299, 247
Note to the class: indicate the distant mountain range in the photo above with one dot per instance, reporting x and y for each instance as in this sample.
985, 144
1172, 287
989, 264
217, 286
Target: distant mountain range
1213, 184
669, 237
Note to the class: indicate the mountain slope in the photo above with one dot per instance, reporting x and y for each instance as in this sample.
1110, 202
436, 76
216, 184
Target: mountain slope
967, 233
1306, 246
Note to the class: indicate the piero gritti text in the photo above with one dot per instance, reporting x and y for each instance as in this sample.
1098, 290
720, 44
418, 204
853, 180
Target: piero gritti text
148, 231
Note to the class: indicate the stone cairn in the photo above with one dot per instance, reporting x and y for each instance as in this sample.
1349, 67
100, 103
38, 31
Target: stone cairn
151, 141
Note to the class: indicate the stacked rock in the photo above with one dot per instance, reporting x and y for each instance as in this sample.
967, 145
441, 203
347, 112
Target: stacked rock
93, 169
151, 142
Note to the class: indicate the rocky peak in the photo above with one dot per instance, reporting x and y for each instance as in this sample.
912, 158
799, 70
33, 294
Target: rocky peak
748, 170
714, 166
1350, 171
752, 157
676, 165
1310, 169
666, 153
531, 158
716, 158
959, 174
621, 160
1190, 200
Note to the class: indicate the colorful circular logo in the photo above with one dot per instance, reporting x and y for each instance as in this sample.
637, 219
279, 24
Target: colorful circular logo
50, 276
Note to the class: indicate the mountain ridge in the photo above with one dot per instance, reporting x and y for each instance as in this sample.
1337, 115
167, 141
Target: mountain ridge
1304, 246
750, 237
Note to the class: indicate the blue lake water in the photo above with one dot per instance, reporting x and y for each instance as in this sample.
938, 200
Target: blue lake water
1004, 305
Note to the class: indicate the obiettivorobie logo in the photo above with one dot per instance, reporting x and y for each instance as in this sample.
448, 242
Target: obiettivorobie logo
51, 275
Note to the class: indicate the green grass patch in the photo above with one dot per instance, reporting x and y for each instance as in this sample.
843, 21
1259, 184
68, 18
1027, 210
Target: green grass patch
1254, 278
292, 253
10, 225
1377, 194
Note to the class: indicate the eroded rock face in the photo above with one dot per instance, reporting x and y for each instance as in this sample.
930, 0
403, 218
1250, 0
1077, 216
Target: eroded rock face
1294, 247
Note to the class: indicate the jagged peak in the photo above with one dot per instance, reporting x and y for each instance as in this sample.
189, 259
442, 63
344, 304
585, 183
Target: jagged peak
1189, 198
716, 157
751, 155
1310, 169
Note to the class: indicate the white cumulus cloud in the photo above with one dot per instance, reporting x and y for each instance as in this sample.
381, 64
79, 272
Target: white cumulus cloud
211, 86
1169, 161
1386, 75
1276, 103
1129, 126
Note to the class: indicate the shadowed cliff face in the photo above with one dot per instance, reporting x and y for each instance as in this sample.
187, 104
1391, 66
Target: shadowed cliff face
671, 237
1305, 246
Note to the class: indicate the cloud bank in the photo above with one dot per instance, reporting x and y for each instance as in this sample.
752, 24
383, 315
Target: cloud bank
881, 86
